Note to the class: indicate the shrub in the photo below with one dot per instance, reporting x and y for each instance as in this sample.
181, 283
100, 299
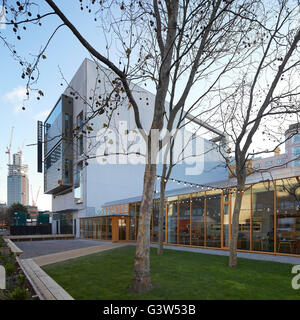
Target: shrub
21, 280
19, 294
4, 259
10, 269
2, 242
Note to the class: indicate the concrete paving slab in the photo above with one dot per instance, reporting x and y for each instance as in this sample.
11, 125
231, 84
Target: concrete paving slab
33, 249
73, 254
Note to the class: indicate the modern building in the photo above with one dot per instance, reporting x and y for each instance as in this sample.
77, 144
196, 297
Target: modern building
17, 181
81, 173
290, 158
87, 189
269, 219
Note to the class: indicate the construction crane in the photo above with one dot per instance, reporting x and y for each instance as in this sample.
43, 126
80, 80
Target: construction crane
37, 195
21, 149
34, 202
10, 142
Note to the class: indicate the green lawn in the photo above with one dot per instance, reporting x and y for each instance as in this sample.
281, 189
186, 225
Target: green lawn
177, 275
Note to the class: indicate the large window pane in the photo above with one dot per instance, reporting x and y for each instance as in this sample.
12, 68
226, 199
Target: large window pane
172, 220
243, 242
66, 223
138, 206
198, 219
103, 228
288, 216
85, 221
132, 221
54, 156
109, 228
213, 219
226, 221
263, 217
94, 228
88, 229
53, 127
122, 228
155, 220
184, 219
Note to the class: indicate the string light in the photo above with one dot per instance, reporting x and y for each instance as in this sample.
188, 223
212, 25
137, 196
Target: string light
202, 186
190, 183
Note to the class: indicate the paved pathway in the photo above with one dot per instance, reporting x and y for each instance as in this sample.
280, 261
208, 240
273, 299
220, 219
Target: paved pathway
72, 254
246, 255
33, 249
80, 247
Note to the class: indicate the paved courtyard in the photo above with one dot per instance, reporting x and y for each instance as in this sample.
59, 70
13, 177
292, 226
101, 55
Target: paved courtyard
33, 249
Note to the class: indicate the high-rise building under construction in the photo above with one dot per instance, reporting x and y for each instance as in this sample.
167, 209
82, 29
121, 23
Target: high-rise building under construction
17, 181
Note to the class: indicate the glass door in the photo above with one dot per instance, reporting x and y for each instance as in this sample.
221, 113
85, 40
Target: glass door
122, 229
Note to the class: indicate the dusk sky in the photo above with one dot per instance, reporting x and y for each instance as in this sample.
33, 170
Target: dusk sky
64, 51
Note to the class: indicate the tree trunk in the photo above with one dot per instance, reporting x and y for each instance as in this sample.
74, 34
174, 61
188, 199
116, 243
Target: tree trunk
235, 228
161, 217
141, 277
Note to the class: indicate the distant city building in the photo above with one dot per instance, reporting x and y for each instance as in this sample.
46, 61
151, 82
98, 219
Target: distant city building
289, 159
17, 181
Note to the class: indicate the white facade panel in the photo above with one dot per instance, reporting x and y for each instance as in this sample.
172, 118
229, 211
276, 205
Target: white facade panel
103, 182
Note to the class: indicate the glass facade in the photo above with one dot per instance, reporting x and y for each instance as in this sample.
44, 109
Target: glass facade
155, 218
53, 127
58, 147
263, 217
288, 216
197, 219
244, 234
226, 218
137, 214
269, 219
53, 157
296, 138
64, 223
132, 221
184, 220
213, 219
96, 228
172, 220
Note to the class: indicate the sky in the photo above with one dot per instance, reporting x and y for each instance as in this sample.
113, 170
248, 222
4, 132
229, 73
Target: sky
64, 52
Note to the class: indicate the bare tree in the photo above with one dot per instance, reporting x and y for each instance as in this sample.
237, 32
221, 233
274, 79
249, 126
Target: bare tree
175, 45
263, 98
